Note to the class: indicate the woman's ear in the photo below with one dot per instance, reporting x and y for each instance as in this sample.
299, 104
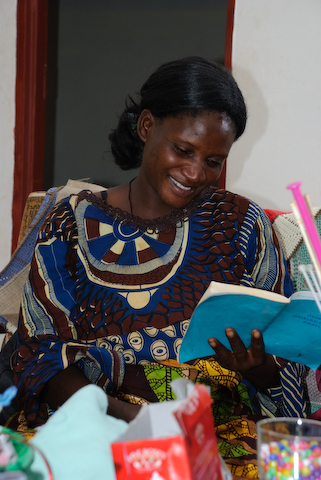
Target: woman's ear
145, 121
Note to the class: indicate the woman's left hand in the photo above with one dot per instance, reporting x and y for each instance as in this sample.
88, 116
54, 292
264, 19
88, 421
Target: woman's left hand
253, 363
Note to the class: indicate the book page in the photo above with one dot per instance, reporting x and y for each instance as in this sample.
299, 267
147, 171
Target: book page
217, 312
296, 333
216, 288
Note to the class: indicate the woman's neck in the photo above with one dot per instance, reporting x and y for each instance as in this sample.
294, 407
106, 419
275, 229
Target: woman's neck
145, 203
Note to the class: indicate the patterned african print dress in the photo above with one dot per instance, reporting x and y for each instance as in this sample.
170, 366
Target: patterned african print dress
115, 299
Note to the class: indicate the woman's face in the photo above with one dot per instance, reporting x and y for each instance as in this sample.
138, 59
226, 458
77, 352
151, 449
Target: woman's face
183, 155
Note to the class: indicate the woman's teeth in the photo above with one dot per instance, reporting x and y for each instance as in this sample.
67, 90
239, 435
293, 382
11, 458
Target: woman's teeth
183, 187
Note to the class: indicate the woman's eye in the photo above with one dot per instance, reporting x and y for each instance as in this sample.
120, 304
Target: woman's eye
182, 151
213, 163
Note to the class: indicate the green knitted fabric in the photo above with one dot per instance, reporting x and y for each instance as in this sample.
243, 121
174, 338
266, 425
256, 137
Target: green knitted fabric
301, 257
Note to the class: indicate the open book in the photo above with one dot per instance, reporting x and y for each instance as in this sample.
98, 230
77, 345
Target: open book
291, 327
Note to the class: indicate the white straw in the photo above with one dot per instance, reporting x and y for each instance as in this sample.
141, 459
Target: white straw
312, 287
315, 281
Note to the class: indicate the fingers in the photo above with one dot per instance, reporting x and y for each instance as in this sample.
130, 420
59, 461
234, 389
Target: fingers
257, 346
229, 358
223, 355
236, 343
239, 358
237, 346
252, 356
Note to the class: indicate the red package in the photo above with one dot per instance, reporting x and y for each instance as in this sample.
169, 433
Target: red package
189, 452
196, 420
152, 459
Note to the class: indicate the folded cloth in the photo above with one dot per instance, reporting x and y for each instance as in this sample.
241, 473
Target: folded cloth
76, 439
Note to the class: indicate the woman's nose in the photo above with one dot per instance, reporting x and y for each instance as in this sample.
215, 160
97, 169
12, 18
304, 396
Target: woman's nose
195, 171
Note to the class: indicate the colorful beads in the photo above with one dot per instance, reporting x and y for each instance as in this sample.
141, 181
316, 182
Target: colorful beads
290, 460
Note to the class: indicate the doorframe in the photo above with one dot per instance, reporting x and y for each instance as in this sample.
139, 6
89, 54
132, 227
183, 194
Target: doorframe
31, 82
229, 34
221, 183
31, 89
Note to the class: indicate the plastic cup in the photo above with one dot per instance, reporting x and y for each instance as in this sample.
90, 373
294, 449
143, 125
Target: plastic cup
289, 449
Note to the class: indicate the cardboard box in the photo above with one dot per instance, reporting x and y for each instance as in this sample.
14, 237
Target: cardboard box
171, 441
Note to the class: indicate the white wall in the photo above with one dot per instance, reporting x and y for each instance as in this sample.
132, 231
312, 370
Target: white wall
7, 122
276, 52
276, 61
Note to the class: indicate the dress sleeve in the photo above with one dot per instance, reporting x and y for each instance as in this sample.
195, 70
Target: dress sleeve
268, 269
290, 395
262, 253
47, 338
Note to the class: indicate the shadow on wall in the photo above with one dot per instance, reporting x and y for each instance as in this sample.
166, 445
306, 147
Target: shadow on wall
256, 128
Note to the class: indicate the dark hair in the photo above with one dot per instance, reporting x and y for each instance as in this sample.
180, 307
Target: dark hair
187, 86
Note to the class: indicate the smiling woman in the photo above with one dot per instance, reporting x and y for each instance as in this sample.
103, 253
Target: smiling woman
116, 276
182, 156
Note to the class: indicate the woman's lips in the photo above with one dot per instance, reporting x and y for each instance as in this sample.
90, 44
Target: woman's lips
180, 185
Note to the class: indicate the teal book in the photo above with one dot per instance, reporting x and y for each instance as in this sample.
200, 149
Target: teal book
291, 327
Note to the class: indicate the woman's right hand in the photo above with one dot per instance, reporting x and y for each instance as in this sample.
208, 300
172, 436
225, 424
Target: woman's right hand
123, 410
67, 382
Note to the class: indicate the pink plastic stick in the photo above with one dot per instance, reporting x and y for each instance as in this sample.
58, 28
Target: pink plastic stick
307, 219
